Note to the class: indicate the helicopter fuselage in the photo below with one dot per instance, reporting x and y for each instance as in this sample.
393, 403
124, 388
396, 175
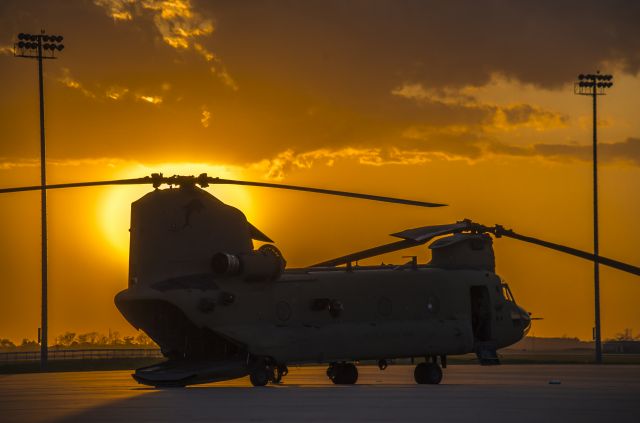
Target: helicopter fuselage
219, 309
379, 313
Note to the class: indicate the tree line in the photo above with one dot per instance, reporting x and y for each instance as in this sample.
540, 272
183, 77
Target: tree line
84, 340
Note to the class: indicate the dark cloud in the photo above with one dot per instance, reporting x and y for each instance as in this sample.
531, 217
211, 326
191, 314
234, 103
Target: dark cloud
436, 42
526, 115
279, 75
625, 151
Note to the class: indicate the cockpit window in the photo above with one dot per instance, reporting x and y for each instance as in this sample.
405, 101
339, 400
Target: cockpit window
506, 292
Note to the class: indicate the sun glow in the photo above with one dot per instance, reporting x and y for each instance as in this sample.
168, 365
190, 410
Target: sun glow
114, 214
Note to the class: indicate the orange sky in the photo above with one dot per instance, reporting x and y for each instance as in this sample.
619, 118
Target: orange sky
466, 103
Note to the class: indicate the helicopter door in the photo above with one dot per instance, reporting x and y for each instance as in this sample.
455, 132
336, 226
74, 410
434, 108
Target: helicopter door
480, 314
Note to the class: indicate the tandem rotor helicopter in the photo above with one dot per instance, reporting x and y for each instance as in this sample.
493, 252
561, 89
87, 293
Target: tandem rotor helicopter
221, 310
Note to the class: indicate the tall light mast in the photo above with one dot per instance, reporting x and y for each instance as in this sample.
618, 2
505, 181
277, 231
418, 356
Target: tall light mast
41, 46
594, 85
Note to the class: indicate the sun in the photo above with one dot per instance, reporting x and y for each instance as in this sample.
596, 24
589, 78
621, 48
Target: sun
115, 208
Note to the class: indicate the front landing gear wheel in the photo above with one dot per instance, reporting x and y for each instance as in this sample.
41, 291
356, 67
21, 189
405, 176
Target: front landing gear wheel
343, 373
427, 373
260, 376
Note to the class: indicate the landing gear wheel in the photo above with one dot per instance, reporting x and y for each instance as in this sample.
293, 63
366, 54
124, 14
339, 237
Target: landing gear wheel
343, 373
259, 377
280, 371
427, 373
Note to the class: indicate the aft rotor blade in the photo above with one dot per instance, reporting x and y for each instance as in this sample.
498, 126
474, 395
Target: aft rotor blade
325, 191
411, 238
134, 181
625, 267
425, 233
370, 252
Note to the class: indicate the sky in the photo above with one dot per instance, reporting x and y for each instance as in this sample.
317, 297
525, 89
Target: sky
468, 103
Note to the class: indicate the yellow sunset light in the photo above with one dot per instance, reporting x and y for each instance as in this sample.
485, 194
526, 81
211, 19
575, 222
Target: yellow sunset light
115, 209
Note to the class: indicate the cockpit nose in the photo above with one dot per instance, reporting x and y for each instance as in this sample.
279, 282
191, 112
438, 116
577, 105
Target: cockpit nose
521, 316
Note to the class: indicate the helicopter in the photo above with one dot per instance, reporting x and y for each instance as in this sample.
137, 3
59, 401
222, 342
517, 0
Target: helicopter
220, 309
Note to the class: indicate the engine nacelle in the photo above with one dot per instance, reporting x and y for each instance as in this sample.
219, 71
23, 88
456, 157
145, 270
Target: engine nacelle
265, 264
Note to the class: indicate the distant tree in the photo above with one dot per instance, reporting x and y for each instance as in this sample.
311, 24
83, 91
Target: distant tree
114, 338
143, 339
66, 339
28, 343
6, 343
626, 335
87, 338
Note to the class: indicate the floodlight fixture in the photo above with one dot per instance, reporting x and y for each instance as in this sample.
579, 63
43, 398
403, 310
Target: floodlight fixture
44, 45
595, 89
31, 46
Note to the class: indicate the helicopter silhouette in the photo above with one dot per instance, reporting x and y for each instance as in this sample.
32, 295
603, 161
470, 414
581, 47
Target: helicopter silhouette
220, 309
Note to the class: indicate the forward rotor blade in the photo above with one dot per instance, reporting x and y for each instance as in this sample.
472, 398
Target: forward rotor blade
203, 180
625, 267
324, 191
134, 181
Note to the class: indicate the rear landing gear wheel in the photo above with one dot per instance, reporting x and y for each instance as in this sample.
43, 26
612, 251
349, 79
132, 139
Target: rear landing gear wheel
260, 376
343, 373
427, 373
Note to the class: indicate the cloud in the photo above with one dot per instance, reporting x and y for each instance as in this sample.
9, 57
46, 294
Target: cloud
6, 50
515, 116
9, 164
151, 99
179, 25
442, 43
177, 21
116, 92
472, 126
497, 117
456, 96
453, 141
68, 81
288, 160
119, 10
224, 77
206, 116
627, 151
276, 168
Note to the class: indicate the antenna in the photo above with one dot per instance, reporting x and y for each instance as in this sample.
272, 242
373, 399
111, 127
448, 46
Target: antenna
595, 85
40, 47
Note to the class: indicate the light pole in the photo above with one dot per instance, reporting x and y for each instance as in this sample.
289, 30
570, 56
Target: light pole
595, 85
40, 47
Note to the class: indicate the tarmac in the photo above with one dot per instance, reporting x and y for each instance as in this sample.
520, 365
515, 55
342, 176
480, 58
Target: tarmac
468, 393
